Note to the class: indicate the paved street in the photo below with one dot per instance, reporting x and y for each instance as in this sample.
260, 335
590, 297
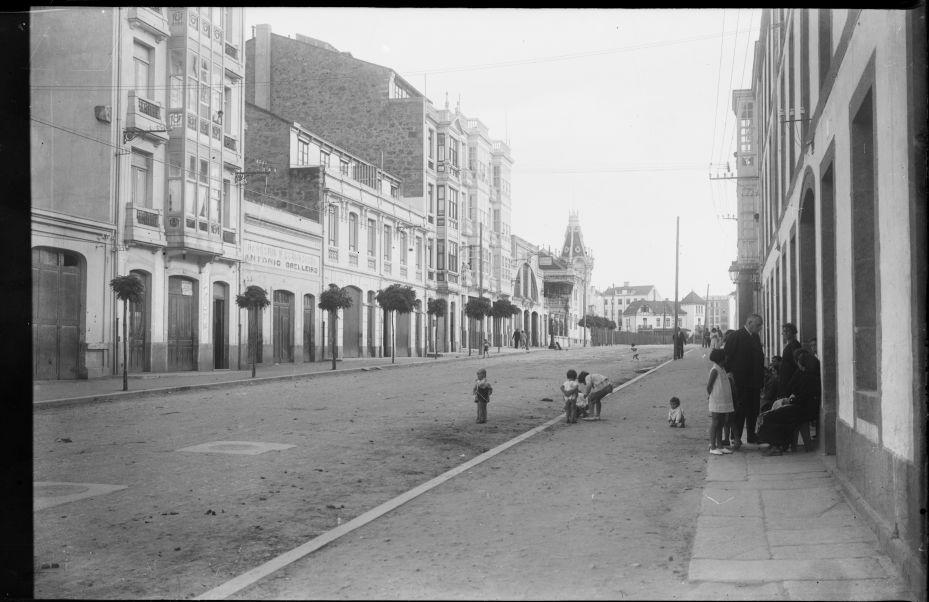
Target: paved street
605, 510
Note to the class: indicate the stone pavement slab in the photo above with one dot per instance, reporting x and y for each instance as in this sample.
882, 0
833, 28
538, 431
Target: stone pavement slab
742, 571
727, 502
725, 537
848, 589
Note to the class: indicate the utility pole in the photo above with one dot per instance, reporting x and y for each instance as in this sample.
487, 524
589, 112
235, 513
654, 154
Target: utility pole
706, 308
677, 242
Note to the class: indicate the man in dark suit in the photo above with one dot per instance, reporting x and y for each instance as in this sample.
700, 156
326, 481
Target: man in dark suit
745, 360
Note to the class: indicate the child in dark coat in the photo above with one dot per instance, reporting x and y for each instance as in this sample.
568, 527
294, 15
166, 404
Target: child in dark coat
482, 391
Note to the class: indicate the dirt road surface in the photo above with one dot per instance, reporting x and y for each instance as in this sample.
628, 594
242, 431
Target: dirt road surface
188, 522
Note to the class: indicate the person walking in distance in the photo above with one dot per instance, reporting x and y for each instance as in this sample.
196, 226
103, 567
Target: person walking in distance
482, 391
745, 360
516, 336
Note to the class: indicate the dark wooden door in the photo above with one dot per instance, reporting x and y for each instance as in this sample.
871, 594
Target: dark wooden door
139, 328
57, 303
283, 326
220, 352
309, 328
182, 323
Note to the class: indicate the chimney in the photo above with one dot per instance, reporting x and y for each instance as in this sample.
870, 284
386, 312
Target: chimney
262, 67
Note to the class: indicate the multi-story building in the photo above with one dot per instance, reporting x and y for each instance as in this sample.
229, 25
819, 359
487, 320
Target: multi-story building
840, 111
649, 316
319, 196
378, 116
135, 144
529, 293
566, 276
744, 271
719, 311
694, 309
617, 299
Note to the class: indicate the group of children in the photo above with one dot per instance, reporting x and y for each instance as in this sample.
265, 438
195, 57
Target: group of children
583, 393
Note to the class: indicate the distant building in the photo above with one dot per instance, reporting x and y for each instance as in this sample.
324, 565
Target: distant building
651, 315
617, 299
719, 311
566, 278
694, 307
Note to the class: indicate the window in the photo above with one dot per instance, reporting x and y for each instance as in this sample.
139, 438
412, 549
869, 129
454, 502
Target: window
403, 248
141, 179
441, 200
324, 158
388, 246
496, 220
430, 261
303, 152
204, 88
825, 43
431, 144
333, 226
431, 201
864, 247
472, 153
452, 257
215, 200
441, 152
452, 203
440, 253
343, 167
372, 238
472, 207
176, 85
453, 151
227, 204
142, 66
353, 232
419, 253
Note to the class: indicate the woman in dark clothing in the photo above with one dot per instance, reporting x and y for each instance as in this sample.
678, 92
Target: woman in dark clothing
779, 425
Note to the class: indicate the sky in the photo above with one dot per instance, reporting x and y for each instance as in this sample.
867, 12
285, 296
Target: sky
619, 114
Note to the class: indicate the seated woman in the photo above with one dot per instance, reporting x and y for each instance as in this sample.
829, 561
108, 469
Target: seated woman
778, 425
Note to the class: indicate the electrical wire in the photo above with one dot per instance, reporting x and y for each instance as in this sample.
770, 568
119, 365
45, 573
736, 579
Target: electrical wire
719, 71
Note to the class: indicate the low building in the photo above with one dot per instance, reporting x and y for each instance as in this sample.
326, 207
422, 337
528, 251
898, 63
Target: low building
652, 316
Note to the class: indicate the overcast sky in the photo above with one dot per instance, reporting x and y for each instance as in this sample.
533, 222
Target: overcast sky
616, 113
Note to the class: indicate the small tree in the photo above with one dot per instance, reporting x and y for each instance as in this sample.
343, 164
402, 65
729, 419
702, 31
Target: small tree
503, 308
396, 298
332, 300
436, 308
254, 298
128, 289
476, 309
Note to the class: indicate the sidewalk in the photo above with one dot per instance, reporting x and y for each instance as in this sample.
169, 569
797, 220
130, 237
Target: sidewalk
510, 523
55, 393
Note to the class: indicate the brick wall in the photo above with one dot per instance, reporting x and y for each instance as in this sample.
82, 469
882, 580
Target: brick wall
344, 100
267, 138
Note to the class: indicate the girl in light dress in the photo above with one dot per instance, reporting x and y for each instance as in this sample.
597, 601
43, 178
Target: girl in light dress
719, 393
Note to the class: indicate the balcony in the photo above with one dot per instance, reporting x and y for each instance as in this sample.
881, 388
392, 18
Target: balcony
232, 51
231, 143
149, 19
387, 267
143, 226
193, 236
145, 118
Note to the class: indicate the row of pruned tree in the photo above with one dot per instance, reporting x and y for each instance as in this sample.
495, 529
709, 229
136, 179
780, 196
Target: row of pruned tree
479, 308
394, 299
599, 326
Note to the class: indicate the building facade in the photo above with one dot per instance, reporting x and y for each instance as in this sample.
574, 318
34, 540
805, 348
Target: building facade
840, 112
149, 98
694, 309
566, 276
720, 311
450, 169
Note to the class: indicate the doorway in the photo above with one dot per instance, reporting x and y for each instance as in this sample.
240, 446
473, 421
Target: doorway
140, 327
283, 327
309, 328
57, 309
182, 323
220, 326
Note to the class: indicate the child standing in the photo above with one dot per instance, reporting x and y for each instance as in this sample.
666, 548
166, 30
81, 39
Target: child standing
482, 391
676, 413
569, 389
719, 394
486, 346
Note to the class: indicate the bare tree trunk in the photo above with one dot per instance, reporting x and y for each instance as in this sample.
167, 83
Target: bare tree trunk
333, 327
125, 347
